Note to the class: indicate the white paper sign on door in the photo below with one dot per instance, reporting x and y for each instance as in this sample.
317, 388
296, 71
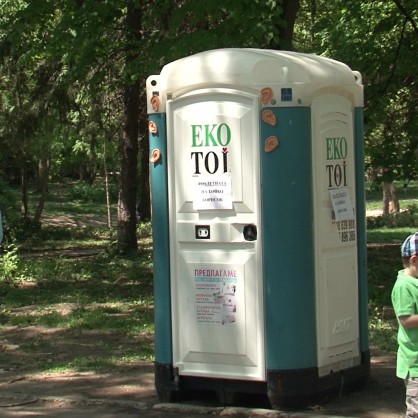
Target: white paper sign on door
341, 203
212, 193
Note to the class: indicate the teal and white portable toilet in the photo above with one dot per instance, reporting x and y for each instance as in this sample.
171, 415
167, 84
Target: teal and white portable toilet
256, 161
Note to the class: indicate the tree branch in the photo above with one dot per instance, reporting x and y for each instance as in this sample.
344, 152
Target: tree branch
290, 9
392, 73
407, 15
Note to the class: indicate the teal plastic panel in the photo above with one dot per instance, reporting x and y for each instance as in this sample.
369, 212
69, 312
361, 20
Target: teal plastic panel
162, 298
288, 247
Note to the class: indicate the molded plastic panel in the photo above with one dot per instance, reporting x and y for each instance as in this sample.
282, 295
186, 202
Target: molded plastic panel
216, 271
335, 231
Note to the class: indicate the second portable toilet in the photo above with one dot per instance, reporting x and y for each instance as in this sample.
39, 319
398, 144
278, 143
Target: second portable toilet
256, 160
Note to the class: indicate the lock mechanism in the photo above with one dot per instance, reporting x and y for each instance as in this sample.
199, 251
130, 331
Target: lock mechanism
250, 232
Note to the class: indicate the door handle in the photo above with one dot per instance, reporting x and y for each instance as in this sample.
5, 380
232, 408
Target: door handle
250, 232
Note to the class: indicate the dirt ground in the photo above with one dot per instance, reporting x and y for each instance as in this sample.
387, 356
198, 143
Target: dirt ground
132, 393
129, 389
129, 392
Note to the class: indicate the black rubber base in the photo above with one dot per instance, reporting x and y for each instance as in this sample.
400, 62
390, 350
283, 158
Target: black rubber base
283, 389
293, 388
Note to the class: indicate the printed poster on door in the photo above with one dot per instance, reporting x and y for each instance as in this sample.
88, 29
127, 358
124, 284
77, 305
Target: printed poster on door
216, 290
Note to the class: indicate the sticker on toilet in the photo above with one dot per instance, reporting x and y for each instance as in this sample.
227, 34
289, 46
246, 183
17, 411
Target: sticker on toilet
216, 295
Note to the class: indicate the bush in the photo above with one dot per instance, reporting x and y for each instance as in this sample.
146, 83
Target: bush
10, 212
7, 200
94, 193
406, 218
144, 230
21, 229
8, 264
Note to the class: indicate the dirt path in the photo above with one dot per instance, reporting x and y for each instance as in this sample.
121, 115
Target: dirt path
134, 390
129, 392
76, 220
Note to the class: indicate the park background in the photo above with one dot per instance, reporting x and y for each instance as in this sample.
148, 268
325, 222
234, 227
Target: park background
76, 264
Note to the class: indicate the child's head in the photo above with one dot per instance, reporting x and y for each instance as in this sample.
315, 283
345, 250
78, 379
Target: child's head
409, 248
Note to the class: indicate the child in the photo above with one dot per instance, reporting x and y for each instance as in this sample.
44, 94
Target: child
405, 303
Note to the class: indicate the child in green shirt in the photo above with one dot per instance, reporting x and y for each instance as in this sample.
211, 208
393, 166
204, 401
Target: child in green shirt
405, 303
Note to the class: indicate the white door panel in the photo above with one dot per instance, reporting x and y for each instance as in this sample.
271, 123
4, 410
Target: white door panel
217, 286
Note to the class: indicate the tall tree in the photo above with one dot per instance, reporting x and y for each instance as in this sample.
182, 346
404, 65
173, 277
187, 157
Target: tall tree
129, 145
378, 38
72, 53
79, 37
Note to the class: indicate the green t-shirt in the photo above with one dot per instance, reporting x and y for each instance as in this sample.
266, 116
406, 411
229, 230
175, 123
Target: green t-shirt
405, 302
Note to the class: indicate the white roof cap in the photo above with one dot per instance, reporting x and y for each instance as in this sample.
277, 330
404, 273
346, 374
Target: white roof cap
254, 69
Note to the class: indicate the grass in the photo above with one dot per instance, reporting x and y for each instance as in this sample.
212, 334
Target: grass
66, 237
75, 303
374, 195
383, 263
382, 332
95, 312
385, 235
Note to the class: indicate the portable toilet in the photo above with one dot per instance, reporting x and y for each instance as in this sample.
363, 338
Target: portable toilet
256, 160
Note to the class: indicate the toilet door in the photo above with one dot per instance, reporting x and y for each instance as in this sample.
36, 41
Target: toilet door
215, 236
337, 282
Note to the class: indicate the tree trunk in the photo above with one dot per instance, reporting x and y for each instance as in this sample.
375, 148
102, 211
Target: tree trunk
106, 174
386, 197
42, 162
43, 184
127, 189
390, 198
24, 188
290, 10
313, 10
127, 240
395, 199
144, 191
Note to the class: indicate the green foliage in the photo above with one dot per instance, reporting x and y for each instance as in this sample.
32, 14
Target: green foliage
383, 264
9, 265
86, 192
192, 28
64, 68
379, 39
385, 235
71, 63
382, 331
144, 229
177, 29
103, 300
388, 235
109, 317
10, 213
7, 200
406, 218
22, 228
